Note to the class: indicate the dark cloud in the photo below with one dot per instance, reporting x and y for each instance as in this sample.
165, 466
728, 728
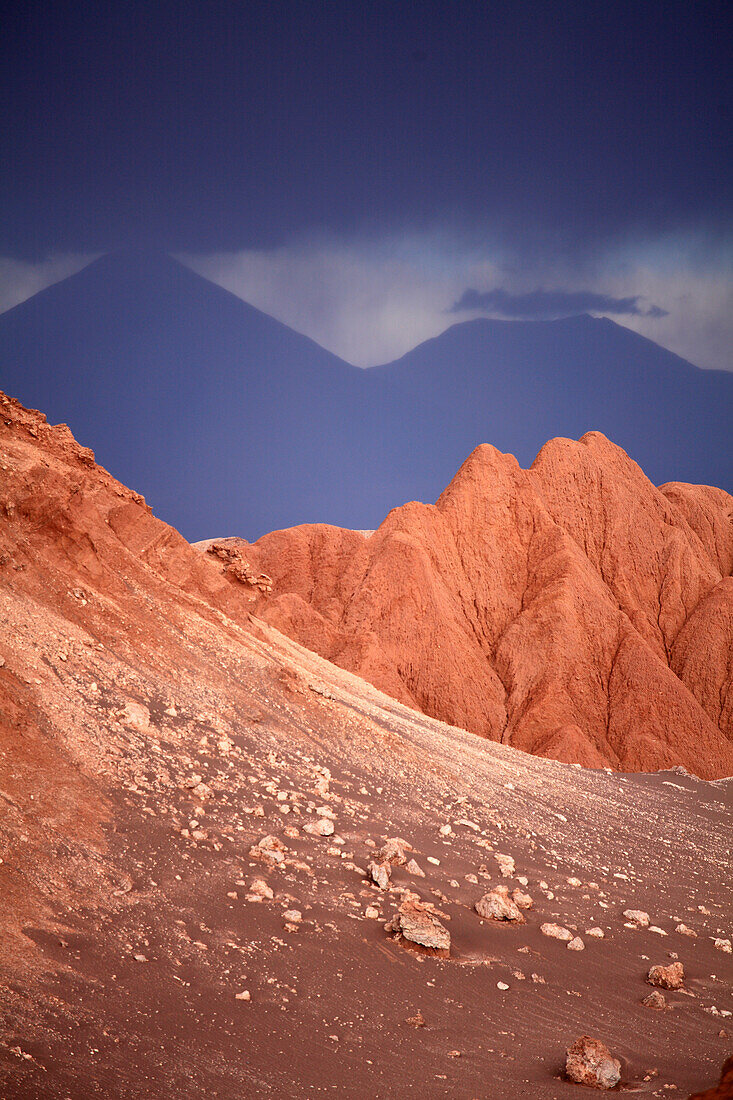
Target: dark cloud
548, 128
551, 303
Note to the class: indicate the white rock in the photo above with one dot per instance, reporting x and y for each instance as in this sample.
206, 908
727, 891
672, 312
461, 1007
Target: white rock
638, 916
323, 827
557, 932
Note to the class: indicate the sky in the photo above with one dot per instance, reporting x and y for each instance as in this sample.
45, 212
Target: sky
373, 172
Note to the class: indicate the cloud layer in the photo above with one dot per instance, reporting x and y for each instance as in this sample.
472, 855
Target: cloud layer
551, 303
372, 300
21, 279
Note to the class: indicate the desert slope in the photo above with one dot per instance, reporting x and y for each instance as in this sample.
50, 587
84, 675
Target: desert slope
572, 610
161, 751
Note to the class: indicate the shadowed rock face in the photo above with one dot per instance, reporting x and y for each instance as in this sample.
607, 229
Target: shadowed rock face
724, 1089
572, 610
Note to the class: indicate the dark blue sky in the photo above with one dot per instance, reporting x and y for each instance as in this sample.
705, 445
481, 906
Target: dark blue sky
355, 168
205, 126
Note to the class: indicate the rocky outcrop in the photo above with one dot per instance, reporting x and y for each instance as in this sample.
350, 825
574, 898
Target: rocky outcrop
572, 610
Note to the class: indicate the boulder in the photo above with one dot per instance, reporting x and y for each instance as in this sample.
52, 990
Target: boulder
590, 1062
498, 905
419, 924
667, 977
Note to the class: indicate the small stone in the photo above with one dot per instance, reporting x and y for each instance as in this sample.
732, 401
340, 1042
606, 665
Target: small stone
243, 996
522, 900
590, 1062
435, 862
506, 864
418, 1020
723, 945
292, 916
394, 850
371, 912
419, 925
576, 944
497, 905
260, 889
637, 916
501, 985
140, 958
270, 849
380, 874
668, 977
557, 932
323, 827
596, 933
574, 881
685, 931
655, 1000
414, 868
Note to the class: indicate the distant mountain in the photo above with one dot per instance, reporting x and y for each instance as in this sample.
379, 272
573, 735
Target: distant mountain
231, 423
215, 412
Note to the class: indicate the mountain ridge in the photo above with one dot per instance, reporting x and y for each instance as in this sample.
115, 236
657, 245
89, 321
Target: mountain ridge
572, 609
226, 419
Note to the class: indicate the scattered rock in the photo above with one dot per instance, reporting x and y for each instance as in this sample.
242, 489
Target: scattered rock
557, 932
638, 916
590, 1062
667, 977
685, 931
394, 850
418, 1020
380, 873
655, 1000
414, 868
506, 864
323, 827
270, 849
522, 900
415, 921
497, 905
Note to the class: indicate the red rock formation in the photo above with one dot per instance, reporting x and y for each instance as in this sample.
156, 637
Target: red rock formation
573, 610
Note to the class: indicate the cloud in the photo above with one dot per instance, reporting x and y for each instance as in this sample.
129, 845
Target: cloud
551, 303
370, 300
21, 279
